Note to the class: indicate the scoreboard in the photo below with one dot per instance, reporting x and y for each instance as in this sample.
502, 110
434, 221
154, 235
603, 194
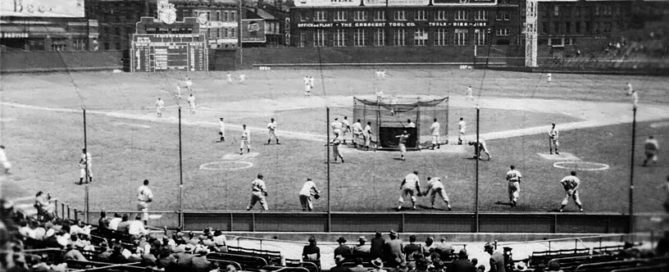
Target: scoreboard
163, 52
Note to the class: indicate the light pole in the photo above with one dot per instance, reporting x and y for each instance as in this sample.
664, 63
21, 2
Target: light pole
631, 189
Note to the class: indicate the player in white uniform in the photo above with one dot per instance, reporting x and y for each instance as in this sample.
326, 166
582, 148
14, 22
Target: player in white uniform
346, 129
189, 84
571, 184
258, 193
410, 187
469, 93
335, 148
229, 78
271, 127
357, 132
242, 78
401, 142
307, 86
553, 143
480, 147
246, 140
85, 163
436, 188
462, 128
367, 134
308, 190
191, 103
513, 178
434, 131
651, 148
311, 83
629, 89
178, 92
221, 129
549, 77
3, 160
144, 197
160, 106
336, 126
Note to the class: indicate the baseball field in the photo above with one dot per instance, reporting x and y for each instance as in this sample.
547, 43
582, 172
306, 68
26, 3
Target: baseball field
41, 125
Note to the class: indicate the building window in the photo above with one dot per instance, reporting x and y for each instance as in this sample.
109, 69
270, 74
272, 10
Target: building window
544, 28
232, 33
503, 16
567, 27
225, 16
588, 27
556, 27
319, 38
320, 16
577, 11
340, 16
481, 15
339, 38
460, 37
502, 32
303, 16
441, 15
442, 37
379, 15
379, 37
399, 37
303, 39
359, 37
233, 16
421, 15
460, 15
400, 15
420, 37
481, 36
577, 27
360, 15
556, 10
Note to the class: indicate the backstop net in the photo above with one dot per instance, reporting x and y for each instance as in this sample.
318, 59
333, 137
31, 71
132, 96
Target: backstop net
390, 116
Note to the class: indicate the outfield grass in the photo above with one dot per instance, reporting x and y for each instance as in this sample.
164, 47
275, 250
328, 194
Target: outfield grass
45, 146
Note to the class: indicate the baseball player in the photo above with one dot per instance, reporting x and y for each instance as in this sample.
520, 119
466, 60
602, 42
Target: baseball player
481, 146
178, 92
513, 178
434, 131
229, 78
311, 83
189, 83
357, 132
246, 140
144, 197
410, 187
258, 193
651, 147
335, 148
549, 77
629, 88
85, 163
469, 93
436, 188
402, 140
553, 143
367, 134
308, 190
221, 129
346, 128
462, 127
336, 126
271, 127
242, 78
3, 160
307, 87
160, 106
570, 184
191, 103
635, 98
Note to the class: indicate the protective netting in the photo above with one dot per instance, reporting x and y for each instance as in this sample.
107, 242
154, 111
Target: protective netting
390, 116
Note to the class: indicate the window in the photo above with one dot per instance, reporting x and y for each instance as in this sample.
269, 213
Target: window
556, 10
339, 38
502, 32
442, 37
460, 37
421, 15
320, 16
577, 11
400, 15
420, 37
556, 27
399, 37
481, 15
544, 28
340, 15
379, 15
232, 32
588, 27
233, 16
359, 37
460, 15
481, 36
441, 15
379, 37
225, 16
360, 15
319, 37
567, 27
218, 15
503, 16
303, 16
303, 40
577, 27
596, 10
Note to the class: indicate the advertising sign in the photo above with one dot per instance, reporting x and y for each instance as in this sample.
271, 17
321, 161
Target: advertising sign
42, 8
161, 52
253, 30
394, 3
327, 3
464, 2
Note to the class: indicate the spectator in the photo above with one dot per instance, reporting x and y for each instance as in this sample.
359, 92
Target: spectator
339, 261
358, 266
428, 247
444, 250
377, 245
342, 249
136, 227
103, 222
378, 265
475, 262
114, 222
166, 260
230, 268
220, 241
74, 254
200, 262
412, 249
124, 225
19, 264
117, 255
394, 250
496, 258
462, 264
662, 248
554, 266
480, 268
311, 252
362, 250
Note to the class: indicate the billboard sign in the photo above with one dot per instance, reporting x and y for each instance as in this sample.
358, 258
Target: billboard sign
42, 8
395, 3
162, 52
253, 31
464, 2
327, 3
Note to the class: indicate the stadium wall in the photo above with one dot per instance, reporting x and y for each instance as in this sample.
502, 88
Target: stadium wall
58, 61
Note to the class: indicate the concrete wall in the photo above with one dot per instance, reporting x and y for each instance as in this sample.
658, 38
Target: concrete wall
55, 61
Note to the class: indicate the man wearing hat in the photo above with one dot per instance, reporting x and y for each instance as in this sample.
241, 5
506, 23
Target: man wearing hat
377, 246
412, 249
362, 250
394, 250
342, 249
378, 265
308, 189
462, 264
339, 260
402, 140
258, 193
496, 258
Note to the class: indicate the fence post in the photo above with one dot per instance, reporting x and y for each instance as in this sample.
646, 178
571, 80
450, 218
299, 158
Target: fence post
75, 214
55, 205
62, 210
68, 212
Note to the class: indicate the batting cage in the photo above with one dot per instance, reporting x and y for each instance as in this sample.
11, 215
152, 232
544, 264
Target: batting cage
390, 116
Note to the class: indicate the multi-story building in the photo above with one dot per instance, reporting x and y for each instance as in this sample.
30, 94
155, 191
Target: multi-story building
359, 23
